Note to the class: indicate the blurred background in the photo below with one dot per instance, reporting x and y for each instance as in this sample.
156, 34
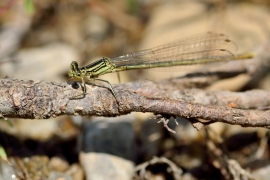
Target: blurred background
38, 41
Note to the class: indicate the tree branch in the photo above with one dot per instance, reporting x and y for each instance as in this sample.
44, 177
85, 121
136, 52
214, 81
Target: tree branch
42, 100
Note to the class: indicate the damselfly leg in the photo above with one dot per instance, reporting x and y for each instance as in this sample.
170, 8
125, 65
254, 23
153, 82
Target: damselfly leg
84, 88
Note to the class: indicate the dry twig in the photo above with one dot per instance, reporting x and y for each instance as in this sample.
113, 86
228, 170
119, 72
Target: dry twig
42, 100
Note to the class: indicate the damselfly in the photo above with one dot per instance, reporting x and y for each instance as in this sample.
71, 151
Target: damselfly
205, 49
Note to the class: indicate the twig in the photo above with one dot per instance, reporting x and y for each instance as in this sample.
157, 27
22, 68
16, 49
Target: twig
165, 121
229, 168
173, 169
43, 100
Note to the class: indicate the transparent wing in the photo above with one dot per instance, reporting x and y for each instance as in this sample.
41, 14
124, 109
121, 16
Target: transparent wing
201, 49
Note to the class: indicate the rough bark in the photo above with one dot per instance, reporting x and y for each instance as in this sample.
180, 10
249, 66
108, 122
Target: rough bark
43, 100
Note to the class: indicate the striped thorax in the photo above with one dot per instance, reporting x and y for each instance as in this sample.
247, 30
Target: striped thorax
100, 67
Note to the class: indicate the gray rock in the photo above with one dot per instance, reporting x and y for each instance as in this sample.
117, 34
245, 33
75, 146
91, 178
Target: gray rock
112, 136
100, 166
